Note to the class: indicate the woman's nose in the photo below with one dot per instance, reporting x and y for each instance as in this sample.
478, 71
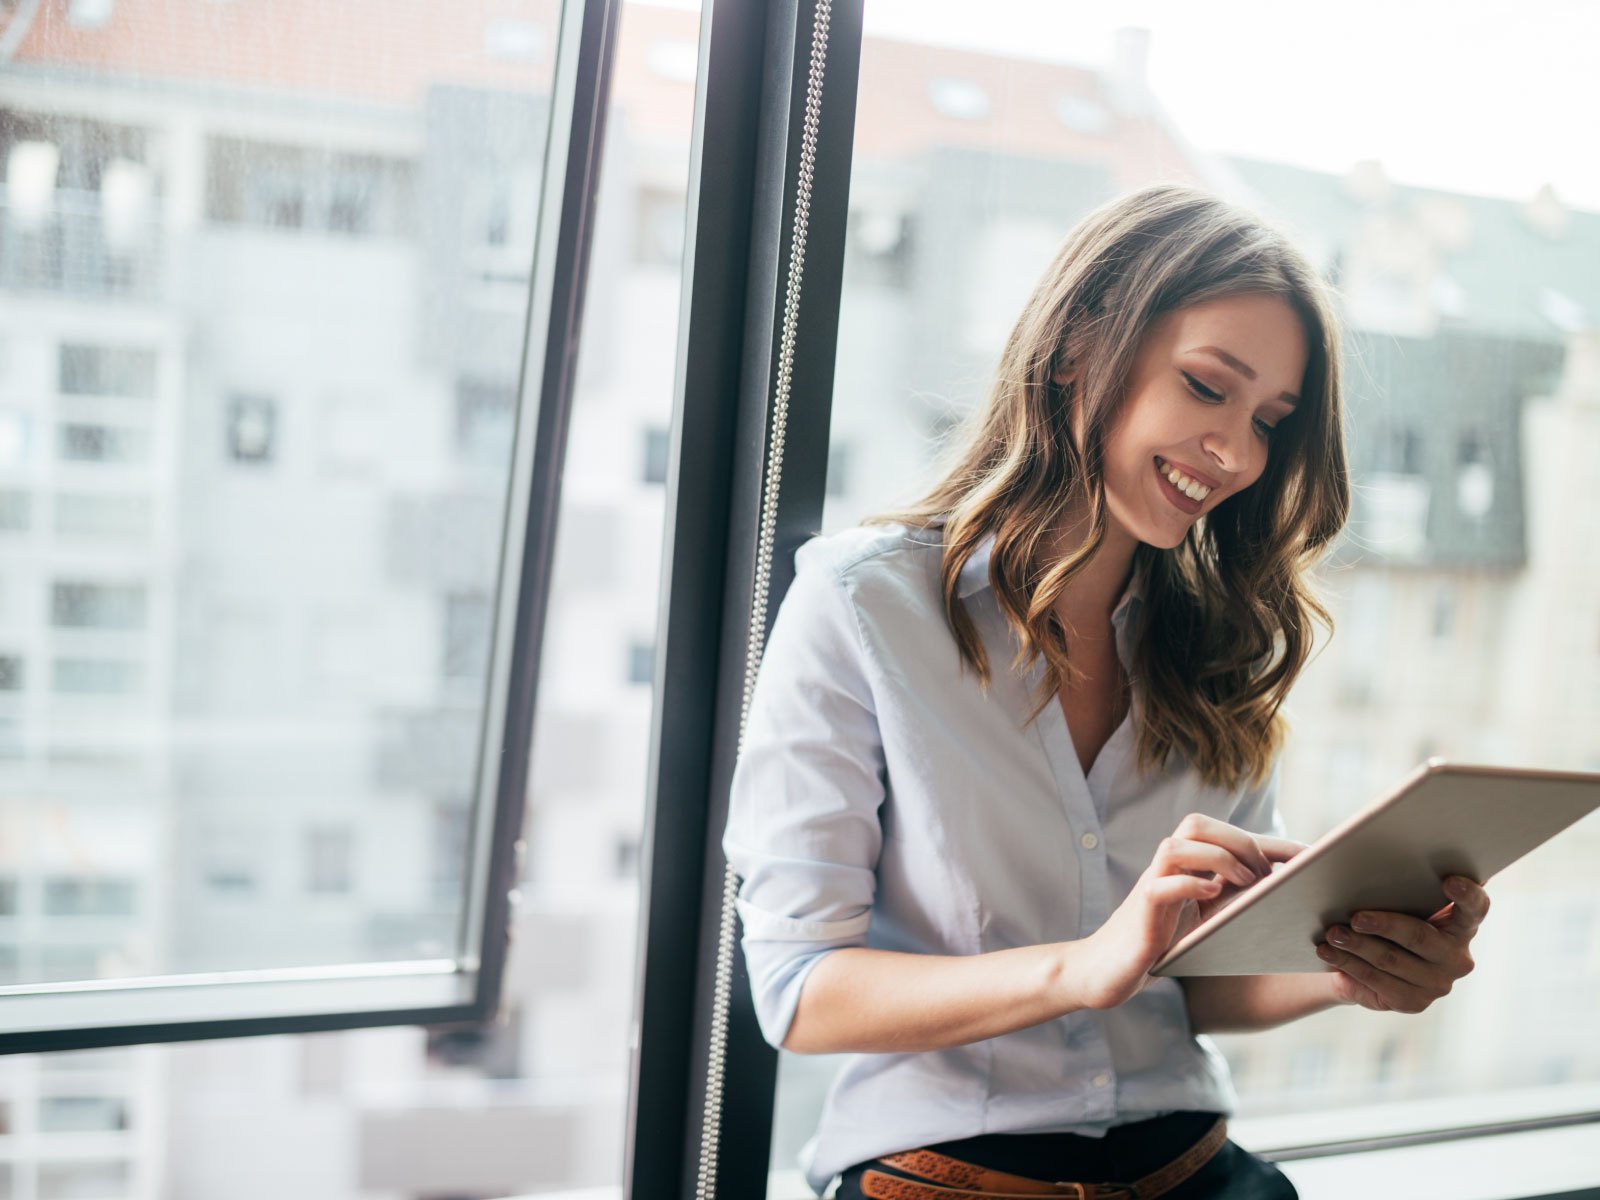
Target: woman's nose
1228, 447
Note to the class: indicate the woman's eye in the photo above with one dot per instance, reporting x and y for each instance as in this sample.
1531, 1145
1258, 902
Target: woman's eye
1266, 430
1201, 390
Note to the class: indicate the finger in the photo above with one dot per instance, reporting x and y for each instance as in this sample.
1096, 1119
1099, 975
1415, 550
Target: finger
1183, 854
1423, 939
1242, 845
1393, 959
1399, 994
1279, 849
1352, 992
1175, 889
1470, 902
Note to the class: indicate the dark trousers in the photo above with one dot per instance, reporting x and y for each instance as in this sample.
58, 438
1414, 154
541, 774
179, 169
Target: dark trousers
1126, 1154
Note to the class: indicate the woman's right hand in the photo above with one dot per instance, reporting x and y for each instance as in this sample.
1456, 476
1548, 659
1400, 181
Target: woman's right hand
1199, 869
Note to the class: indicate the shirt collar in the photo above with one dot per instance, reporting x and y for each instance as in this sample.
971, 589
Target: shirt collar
975, 577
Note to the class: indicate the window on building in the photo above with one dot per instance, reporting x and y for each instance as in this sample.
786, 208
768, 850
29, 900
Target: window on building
1445, 601
82, 1114
252, 428
307, 188
641, 661
656, 449
103, 516
841, 462
84, 441
89, 897
97, 370
83, 1177
329, 851
466, 636
15, 506
80, 605
485, 415
659, 232
96, 676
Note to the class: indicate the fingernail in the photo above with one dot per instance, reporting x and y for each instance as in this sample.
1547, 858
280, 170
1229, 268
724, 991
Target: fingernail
1454, 887
1337, 937
1361, 921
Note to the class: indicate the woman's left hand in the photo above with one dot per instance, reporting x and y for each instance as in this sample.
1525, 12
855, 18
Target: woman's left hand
1392, 962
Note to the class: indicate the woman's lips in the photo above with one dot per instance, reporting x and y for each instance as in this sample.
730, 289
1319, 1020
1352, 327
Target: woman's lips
1178, 499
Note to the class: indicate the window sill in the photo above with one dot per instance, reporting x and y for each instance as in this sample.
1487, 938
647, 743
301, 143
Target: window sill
1530, 1144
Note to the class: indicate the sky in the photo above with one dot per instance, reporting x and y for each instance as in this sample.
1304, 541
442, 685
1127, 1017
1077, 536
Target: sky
1480, 96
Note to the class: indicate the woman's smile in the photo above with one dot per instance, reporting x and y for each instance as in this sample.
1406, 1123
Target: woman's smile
1179, 499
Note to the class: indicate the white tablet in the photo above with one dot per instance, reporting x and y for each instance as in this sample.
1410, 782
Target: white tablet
1444, 819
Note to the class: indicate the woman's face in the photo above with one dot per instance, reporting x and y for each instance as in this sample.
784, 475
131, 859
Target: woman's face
1207, 387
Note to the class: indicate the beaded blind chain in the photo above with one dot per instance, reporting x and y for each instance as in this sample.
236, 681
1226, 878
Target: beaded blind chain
711, 1123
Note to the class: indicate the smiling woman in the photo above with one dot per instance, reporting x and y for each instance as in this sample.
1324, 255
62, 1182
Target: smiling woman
1169, 328
1226, 425
904, 826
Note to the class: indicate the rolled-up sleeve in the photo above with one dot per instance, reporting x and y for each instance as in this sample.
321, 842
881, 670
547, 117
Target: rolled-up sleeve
803, 829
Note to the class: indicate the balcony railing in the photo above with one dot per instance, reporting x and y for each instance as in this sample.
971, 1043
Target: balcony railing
77, 249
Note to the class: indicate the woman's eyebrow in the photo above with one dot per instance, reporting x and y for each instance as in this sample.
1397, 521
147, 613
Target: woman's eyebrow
1244, 369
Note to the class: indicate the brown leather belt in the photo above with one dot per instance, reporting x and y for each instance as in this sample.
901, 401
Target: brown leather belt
940, 1177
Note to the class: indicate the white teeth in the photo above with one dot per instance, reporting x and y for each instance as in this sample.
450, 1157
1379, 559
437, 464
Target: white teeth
1189, 487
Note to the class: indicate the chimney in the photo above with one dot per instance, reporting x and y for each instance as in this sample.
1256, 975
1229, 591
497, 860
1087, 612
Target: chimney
1546, 215
1367, 183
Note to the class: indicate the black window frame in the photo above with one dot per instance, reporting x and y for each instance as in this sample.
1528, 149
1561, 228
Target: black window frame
703, 1080
580, 90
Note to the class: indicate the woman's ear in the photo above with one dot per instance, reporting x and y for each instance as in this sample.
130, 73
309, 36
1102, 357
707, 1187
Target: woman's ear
1066, 372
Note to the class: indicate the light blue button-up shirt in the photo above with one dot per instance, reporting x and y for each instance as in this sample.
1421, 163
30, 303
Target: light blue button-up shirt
881, 800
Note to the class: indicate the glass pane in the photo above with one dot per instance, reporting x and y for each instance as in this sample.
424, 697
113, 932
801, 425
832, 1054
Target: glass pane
536, 1102
265, 283
1467, 266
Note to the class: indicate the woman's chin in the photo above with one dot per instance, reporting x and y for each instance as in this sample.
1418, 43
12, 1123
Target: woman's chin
1165, 535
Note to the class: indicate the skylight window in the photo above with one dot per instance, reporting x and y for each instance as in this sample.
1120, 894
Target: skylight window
959, 98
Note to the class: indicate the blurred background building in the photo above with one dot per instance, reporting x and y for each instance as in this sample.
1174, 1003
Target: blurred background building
263, 286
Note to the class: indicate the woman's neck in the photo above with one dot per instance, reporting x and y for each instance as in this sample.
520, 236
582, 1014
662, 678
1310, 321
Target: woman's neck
1090, 599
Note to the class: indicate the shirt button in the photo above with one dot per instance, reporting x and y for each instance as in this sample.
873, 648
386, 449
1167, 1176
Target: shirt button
1102, 1080
1088, 841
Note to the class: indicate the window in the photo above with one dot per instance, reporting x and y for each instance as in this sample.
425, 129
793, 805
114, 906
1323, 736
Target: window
14, 505
97, 676
660, 227
655, 455
88, 897
370, 208
328, 859
69, 1180
307, 188
484, 412
1454, 432
252, 423
1444, 610
15, 429
12, 676
85, 442
466, 637
959, 98
641, 661
76, 605
93, 370
841, 458
82, 1114
114, 516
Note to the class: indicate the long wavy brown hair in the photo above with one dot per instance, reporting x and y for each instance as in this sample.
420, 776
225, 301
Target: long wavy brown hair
1226, 626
